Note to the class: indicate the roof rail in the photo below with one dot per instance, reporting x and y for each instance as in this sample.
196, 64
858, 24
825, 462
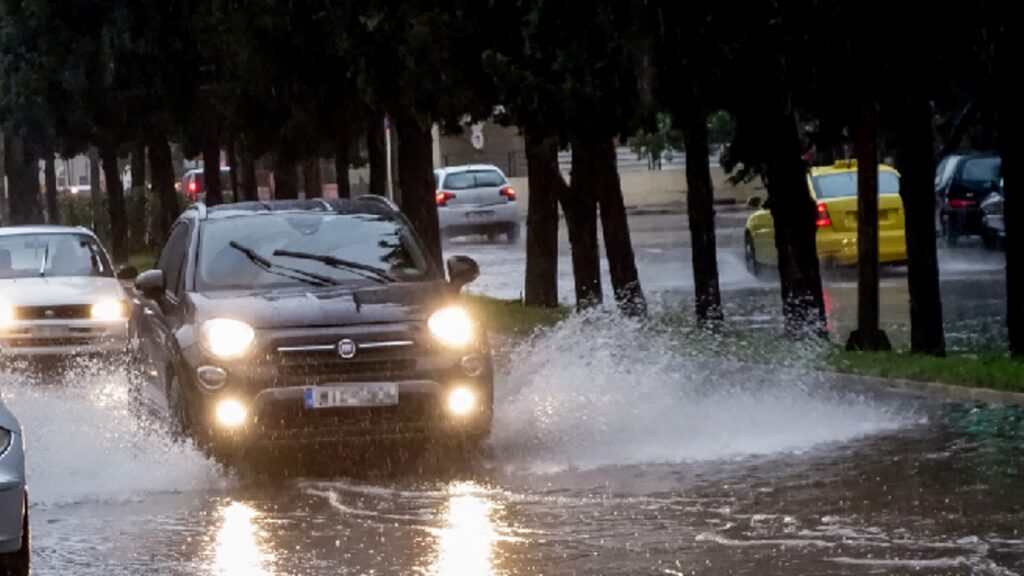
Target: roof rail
380, 200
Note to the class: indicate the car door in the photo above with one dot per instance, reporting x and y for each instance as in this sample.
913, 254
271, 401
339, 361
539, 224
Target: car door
162, 316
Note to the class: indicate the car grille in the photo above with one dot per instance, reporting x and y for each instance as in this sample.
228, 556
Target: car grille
46, 342
301, 365
64, 312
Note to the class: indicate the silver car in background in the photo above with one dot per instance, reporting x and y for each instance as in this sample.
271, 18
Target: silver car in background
59, 294
476, 199
15, 554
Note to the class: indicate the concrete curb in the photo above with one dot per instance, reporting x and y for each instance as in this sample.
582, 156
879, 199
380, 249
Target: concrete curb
936, 389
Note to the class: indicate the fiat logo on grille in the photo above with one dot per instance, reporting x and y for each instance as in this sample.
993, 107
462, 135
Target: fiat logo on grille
49, 314
347, 349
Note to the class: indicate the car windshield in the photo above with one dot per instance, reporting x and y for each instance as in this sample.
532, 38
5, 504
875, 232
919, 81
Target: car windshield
52, 255
323, 249
981, 170
473, 179
844, 184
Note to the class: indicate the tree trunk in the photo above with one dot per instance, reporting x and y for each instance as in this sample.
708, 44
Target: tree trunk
700, 208
247, 179
5, 214
232, 149
867, 336
416, 173
915, 159
580, 208
286, 179
604, 178
312, 181
211, 172
50, 176
1013, 203
546, 188
139, 167
100, 224
342, 150
377, 155
115, 204
22, 182
162, 170
795, 215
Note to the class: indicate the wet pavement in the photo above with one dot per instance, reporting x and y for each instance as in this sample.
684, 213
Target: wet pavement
616, 461
616, 450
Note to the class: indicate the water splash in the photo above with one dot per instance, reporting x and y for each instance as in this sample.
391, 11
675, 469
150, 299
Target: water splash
600, 390
84, 444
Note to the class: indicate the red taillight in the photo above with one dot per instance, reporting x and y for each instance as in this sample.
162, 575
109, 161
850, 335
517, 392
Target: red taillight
508, 192
192, 186
443, 197
962, 203
823, 217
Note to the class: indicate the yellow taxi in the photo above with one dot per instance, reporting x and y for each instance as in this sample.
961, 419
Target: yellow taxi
834, 189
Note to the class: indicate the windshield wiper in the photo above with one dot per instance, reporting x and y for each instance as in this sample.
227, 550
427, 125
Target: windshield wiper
302, 276
46, 256
363, 270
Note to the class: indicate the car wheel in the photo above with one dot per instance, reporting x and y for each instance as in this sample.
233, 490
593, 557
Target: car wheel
950, 232
19, 563
512, 233
750, 256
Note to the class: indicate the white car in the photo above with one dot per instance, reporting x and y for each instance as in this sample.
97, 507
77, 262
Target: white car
59, 294
14, 532
476, 199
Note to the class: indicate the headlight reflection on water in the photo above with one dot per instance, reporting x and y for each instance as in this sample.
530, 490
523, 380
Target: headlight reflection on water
466, 542
239, 549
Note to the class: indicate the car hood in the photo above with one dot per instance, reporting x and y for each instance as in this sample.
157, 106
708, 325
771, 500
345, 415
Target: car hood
324, 307
56, 290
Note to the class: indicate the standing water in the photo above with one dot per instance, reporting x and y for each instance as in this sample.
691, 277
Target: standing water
614, 452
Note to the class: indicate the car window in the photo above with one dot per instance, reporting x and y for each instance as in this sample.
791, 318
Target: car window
844, 184
945, 170
373, 241
473, 179
172, 258
52, 255
981, 170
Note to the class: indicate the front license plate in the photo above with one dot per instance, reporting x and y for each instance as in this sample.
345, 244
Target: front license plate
480, 215
48, 331
352, 395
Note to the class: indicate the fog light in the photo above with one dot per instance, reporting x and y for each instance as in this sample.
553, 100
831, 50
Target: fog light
231, 413
461, 401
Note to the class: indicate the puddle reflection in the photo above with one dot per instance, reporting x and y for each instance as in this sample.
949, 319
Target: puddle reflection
466, 542
239, 548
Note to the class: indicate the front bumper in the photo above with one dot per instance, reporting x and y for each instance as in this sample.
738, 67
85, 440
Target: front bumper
63, 338
12, 494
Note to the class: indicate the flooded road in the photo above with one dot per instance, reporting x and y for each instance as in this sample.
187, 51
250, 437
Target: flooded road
606, 459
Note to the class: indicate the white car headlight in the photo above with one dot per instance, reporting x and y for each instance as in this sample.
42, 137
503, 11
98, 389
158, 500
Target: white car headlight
6, 315
452, 326
226, 338
107, 310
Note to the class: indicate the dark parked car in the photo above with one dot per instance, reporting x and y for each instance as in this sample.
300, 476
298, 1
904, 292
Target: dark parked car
961, 183
308, 323
993, 230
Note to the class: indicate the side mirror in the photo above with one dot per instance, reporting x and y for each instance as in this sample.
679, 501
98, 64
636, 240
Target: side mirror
462, 270
127, 273
755, 202
151, 283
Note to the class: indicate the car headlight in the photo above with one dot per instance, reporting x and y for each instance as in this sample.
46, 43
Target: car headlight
107, 310
452, 326
226, 338
231, 413
6, 315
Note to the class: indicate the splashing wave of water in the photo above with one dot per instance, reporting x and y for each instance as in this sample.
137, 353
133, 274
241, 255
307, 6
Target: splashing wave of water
599, 390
